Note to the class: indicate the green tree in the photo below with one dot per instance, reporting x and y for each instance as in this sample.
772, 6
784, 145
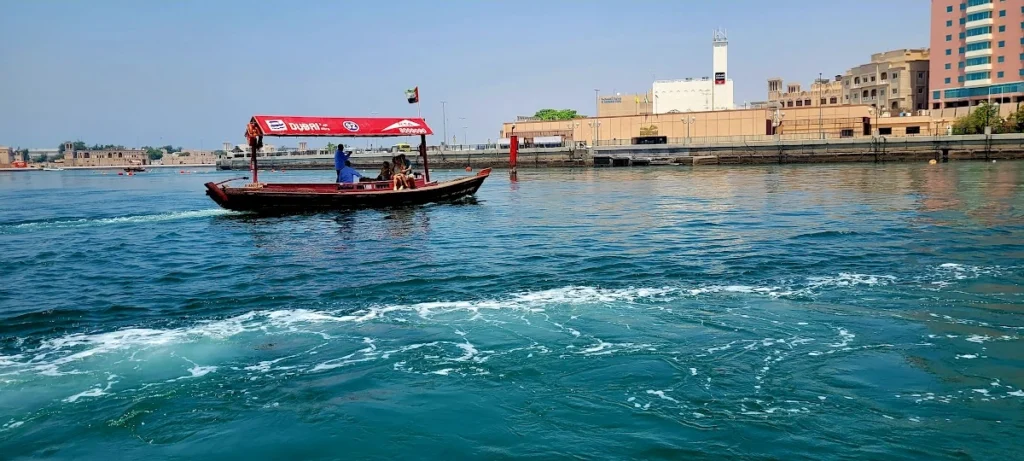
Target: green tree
153, 153
171, 149
1015, 122
23, 154
556, 114
983, 115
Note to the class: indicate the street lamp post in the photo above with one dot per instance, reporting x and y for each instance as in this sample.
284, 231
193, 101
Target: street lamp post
463, 120
821, 129
444, 117
688, 122
597, 109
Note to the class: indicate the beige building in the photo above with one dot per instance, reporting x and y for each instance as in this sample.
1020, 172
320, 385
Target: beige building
896, 81
625, 104
106, 157
190, 157
823, 92
6, 156
757, 124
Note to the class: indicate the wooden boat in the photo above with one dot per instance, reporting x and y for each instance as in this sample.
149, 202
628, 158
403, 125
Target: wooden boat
134, 169
289, 197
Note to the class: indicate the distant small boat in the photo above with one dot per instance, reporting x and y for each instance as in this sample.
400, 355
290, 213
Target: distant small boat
135, 169
52, 169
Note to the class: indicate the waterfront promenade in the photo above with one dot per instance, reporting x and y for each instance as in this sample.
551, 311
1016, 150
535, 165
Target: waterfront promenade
699, 151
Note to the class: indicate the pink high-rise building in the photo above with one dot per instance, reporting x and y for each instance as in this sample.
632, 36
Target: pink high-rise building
977, 52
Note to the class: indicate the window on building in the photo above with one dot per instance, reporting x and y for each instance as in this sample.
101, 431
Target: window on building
865, 93
807, 102
920, 90
874, 93
920, 106
963, 6
799, 102
822, 102
856, 80
846, 133
963, 21
999, 74
978, 76
948, 81
789, 103
960, 64
960, 79
978, 31
962, 35
949, 66
885, 76
949, 9
979, 60
1021, 73
1000, 59
848, 97
978, 2
961, 50
894, 75
920, 75
1002, 28
949, 23
885, 131
895, 90
949, 38
872, 78
1002, 44
979, 46
1002, 13
979, 16
833, 100
913, 130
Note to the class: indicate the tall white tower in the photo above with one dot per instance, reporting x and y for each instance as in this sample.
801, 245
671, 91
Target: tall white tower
721, 93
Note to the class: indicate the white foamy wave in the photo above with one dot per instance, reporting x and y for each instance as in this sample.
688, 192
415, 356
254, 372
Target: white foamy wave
136, 219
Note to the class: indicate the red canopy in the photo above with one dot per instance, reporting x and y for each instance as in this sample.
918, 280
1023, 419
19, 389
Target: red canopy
284, 125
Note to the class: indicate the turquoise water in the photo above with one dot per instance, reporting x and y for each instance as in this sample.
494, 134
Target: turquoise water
775, 312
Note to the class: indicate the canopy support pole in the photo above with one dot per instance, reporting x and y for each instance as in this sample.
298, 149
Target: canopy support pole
252, 164
423, 153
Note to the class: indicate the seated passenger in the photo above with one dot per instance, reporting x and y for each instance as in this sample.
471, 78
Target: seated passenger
397, 175
385, 172
348, 174
408, 178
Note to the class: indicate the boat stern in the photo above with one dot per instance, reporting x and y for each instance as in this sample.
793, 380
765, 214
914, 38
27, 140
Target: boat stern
216, 193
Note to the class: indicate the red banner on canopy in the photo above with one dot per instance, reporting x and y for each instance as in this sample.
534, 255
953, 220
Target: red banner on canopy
283, 125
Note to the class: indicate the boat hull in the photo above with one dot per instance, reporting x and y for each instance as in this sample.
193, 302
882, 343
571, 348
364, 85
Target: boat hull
279, 198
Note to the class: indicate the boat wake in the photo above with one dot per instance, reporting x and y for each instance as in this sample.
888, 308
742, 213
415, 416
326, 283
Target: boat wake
34, 226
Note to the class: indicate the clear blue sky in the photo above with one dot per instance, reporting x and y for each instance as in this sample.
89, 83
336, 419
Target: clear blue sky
191, 72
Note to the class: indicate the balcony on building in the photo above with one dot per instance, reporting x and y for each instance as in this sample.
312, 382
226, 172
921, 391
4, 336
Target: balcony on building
974, 6
976, 53
978, 38
978, 68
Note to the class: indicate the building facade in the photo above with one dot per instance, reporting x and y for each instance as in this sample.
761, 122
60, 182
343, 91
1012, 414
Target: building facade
698, 94
895, 81
7, 157
978, 52
106, 157
823, 92
624, 104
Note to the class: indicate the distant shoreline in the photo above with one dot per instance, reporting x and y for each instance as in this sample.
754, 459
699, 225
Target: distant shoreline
119, 167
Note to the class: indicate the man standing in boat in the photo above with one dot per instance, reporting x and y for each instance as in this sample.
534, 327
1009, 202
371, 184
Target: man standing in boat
340, 159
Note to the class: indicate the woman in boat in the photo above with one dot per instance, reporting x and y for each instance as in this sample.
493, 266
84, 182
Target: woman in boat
385, 172
397, 180
408, 178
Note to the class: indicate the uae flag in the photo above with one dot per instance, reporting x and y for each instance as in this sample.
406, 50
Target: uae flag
413, 95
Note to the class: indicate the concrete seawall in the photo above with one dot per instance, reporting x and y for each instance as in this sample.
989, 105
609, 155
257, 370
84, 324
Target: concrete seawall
864, 149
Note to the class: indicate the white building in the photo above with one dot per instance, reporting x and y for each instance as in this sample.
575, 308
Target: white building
699, 94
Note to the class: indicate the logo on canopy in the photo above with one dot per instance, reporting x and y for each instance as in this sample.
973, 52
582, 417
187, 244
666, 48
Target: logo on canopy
350, 125
402, 124
276, 125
